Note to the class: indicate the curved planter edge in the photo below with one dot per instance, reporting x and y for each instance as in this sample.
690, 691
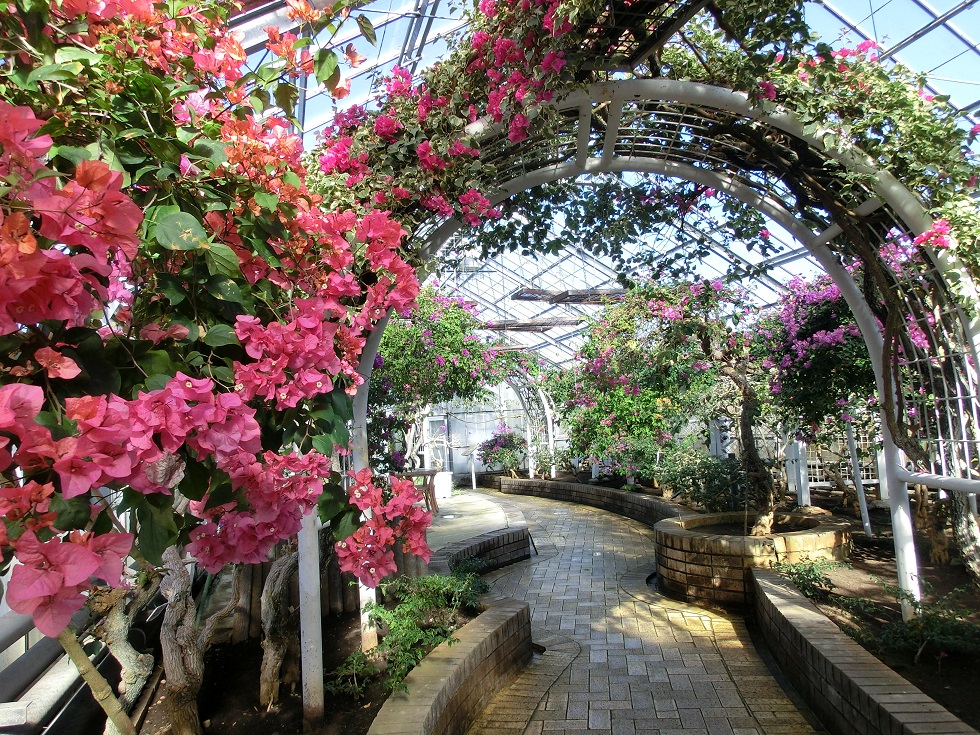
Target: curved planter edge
454, 683
640, 507
712, 568
851, 691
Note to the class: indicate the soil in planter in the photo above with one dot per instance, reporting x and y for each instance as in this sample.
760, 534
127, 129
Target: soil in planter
951, 680
739, 529
230, 694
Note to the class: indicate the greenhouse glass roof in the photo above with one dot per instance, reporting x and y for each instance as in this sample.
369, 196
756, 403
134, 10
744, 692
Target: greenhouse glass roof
940, 38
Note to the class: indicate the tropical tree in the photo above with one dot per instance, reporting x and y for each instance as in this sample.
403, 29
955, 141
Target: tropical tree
661, 357
433, 355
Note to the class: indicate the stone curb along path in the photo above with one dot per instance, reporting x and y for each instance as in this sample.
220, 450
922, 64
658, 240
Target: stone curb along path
619, 658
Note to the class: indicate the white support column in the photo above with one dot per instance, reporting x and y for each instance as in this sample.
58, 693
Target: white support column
801, 474
361, 458
549, 416
858, 483
310, 626
529, 438
789, 463
882, 485
901, 514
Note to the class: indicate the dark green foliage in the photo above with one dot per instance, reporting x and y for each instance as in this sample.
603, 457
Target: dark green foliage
716, 483
810, 576
939, 627
424, 613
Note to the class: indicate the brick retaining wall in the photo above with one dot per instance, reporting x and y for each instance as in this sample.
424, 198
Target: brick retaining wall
640, 507
499, 548
699, 566
851, 691
453, 684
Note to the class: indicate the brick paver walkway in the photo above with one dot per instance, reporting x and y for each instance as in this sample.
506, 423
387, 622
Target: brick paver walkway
620, 659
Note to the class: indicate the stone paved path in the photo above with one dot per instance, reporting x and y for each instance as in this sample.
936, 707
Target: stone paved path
620, 659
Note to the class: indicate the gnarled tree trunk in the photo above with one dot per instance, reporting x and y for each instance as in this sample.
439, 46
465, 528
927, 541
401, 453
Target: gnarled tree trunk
762, 490
279, 622
135, 667
183, 647
278, 626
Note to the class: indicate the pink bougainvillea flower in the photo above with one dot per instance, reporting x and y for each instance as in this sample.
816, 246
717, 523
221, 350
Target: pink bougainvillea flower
155, 334
48, 581
19, 405
56, 364
111, 548
19, 149
353, 58
342, 90
91, 210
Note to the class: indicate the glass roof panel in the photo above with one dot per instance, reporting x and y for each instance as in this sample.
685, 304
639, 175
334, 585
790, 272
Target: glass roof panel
936, 37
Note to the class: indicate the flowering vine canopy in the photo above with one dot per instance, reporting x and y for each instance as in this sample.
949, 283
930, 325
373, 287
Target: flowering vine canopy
183, 303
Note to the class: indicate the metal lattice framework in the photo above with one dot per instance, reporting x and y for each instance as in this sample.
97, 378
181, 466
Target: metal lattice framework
715, 137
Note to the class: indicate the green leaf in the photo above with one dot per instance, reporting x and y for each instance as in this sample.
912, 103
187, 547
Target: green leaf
71, 513
157, 382
156, 362
222, 259
74, 53
286, 96
181, 231
71, 153
220, 335
345, 523
331, 503
171, 287
103, 523
367, 29
156, 526
266, 200
259, 100
325, 64
342, 405
212, 150
323, 443
54, 72
196, 480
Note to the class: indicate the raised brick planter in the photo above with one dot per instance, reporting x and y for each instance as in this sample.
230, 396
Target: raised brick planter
499, 548
640, 507
851, 691
453, 684
699, 566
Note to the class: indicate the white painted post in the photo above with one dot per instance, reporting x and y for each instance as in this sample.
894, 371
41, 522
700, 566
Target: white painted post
311, 632
361, 458
473, 469
802, 476
792, 459
901, 514
882, 485
858, 483
531, 453
426, 447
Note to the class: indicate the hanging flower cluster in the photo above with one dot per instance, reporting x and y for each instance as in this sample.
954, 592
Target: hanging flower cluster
509, 67
818, 363
368, 553
179, 311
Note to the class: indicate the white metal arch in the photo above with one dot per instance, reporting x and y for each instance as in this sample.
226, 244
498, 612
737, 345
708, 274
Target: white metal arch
888, 193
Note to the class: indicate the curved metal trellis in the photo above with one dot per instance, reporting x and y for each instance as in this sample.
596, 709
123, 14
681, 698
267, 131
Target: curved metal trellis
718, 138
